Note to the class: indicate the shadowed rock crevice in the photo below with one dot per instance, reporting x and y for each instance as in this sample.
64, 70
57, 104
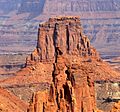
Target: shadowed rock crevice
67, 40
70, 77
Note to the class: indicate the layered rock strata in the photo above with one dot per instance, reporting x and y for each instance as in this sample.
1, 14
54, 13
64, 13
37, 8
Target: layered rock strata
64, 33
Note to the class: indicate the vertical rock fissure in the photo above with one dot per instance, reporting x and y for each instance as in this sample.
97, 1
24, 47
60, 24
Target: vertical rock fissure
67, 94
46, 41
70, 77
38, 38
55, 41
67, 39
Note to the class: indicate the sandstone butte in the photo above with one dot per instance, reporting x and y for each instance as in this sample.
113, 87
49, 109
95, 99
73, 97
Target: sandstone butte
65, 60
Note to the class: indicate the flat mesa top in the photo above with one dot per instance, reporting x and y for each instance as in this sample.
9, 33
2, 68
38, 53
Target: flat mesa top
64, 18
61, 19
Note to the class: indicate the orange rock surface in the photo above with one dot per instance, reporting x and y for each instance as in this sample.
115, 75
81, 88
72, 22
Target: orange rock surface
11, 103
116, 107
67, 93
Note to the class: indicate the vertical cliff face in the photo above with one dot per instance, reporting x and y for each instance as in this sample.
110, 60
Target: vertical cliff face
61, 41
67, 92
64, 33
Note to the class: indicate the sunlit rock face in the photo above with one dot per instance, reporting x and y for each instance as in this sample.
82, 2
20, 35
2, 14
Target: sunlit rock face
69, 91
64, 33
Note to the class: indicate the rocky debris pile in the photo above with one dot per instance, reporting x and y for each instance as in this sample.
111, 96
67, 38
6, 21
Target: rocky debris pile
64, 33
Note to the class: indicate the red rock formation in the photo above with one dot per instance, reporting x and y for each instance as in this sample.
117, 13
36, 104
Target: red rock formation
76, 65
65, 59
70, 91
65, 33
67, 92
